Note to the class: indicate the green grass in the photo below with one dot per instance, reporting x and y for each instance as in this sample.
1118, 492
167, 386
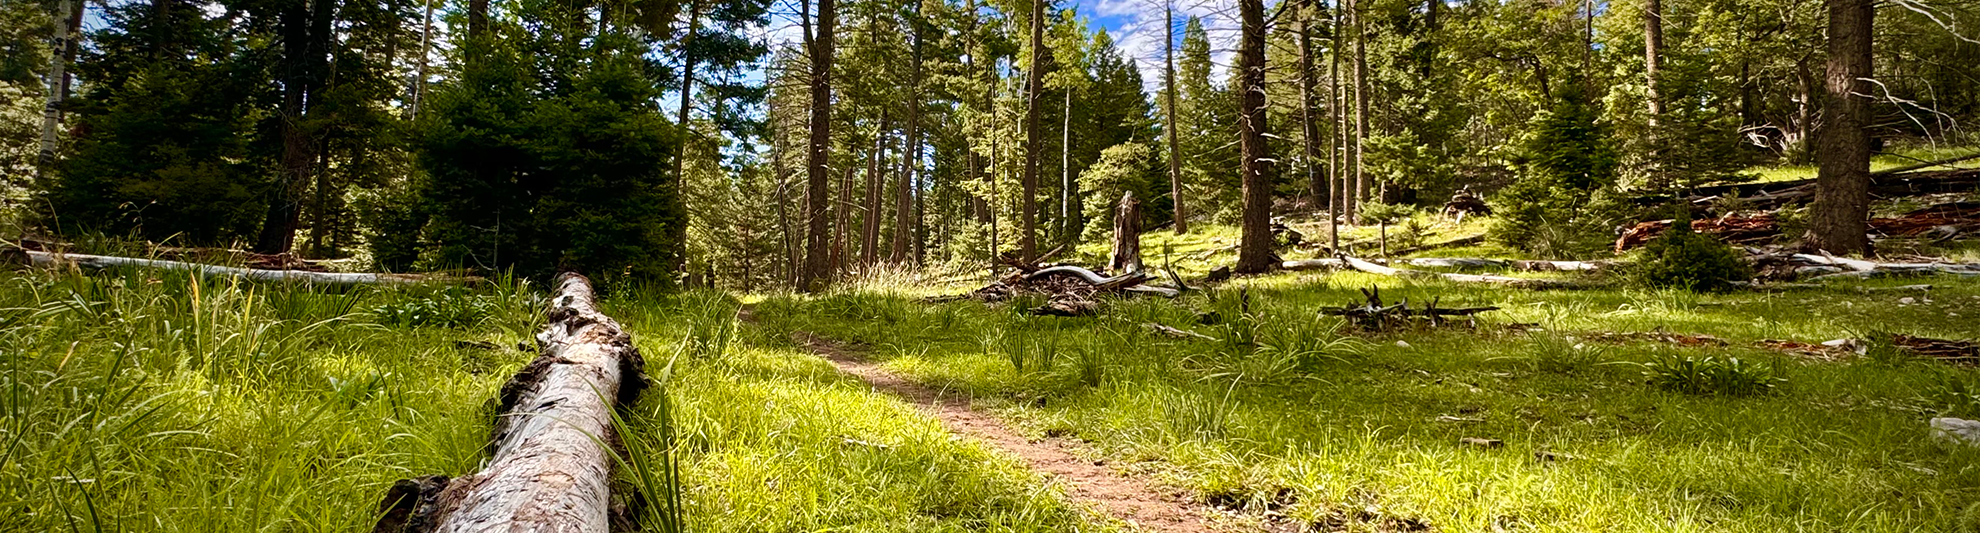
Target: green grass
158, 401
1362, 432
1894, 158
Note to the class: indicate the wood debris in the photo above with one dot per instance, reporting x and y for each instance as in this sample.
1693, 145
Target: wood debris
1373, 315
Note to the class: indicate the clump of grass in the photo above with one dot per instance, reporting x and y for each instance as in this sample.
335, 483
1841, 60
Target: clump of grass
451, 308
1562, 355
1711, 376
1194, 415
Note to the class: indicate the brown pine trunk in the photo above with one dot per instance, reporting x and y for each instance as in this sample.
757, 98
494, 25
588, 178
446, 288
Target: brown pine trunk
1337, 198
1361, 182
1653, 51
1034, 89
1842, 183
843, 226
1255, 241
305, 54
677, 233
1309, 128
907, 203
477, 19
869, 251
818, 44
1169, 102
1127, 236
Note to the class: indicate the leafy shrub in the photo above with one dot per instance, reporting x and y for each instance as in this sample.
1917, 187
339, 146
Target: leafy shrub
1711, 376
448, 309
1685, 259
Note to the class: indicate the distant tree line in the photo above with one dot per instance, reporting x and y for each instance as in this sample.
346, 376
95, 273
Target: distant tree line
667, 140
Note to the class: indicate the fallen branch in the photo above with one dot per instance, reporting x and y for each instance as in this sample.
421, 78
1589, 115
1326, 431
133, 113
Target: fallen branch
99, 262
1372, 315
551, 469
1177, 332
1365, 266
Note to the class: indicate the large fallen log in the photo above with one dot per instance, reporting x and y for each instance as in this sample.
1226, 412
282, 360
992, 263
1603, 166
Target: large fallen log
1365, 266
99, 262
551, 469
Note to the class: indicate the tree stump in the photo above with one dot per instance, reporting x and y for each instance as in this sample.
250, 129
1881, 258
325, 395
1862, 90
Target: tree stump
1127, 236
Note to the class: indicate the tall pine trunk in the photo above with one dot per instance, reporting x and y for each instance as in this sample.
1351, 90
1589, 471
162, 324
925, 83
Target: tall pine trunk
1361, 181
1034, 88
306, 38
1255, 241
1337, 199
1842, 182
1181, 214
1653, 52
869, 250
818, 44
1310, 128
677, 233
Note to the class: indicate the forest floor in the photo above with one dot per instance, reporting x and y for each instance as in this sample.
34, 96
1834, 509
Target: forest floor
142, 400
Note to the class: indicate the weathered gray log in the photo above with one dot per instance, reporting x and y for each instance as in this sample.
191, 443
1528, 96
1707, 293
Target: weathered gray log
1456, 262
1127, 236
1099, 283
1366, 266
99, 262
551, 469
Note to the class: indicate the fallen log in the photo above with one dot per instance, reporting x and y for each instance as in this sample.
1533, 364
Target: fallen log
100, 262
551, 469
1365, 266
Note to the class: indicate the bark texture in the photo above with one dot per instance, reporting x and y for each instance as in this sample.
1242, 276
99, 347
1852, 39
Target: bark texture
818, 44
1255, 241
1841, 212
551, 471
68, 14
1034, 87
1127, 236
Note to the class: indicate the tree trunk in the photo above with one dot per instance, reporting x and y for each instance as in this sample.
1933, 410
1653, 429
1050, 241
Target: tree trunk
1127, 236
425, 49
1842, 199
918, 234
1255, 252
552, 469
1034, 89
1361, 181
478, 19
306, 35
66, 32
818, 43
1309, 128
1068, 217
869, 251
1337, 198
678, 233
905, 219
1653, 51
1181, 214
99, 262
843, 226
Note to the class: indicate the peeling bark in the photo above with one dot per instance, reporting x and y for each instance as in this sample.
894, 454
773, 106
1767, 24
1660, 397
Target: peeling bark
551, 468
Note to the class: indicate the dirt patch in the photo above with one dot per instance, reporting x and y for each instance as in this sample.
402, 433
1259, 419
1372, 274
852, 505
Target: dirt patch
1130, 499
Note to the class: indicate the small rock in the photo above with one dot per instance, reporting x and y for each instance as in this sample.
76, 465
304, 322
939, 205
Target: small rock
1401, 344
1958, 429
1482, 443
1907, 300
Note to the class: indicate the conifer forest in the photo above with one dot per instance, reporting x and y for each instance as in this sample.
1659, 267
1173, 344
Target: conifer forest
1273, 266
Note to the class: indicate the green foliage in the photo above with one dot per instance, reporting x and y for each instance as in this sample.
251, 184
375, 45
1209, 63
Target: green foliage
539, 162
1380, 213
1688, 260
1557, 207
1711, 376
1127, 167
452, 308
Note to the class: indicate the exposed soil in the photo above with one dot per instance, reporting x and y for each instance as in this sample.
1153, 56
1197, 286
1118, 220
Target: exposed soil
1129, 498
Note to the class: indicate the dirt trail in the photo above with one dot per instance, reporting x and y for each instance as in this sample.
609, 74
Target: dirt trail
1131, 499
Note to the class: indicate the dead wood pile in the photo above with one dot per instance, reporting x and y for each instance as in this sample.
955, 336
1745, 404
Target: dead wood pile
1071, 290
1372, 315
1942, 221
